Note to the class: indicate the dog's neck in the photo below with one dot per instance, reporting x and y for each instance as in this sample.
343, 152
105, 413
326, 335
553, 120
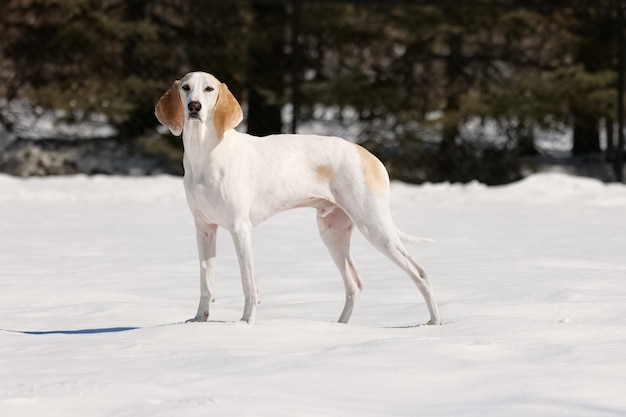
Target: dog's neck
199, 136
199, 141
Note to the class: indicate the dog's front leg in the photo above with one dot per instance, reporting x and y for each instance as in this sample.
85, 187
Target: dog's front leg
242, 238
206, 235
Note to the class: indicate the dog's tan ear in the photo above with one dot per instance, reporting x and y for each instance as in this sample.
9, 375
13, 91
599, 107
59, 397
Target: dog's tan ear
227, 113
169, 110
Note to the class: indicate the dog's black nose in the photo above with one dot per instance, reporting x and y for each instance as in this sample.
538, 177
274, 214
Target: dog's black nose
194, 107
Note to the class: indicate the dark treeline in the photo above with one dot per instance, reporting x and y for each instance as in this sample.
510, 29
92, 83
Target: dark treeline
441, 90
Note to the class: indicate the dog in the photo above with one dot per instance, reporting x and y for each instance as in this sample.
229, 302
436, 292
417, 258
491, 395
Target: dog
236, 181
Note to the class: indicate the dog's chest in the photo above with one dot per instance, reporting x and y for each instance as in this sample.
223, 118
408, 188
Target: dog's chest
206, 197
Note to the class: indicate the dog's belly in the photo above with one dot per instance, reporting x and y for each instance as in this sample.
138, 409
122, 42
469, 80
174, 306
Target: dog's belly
260, 213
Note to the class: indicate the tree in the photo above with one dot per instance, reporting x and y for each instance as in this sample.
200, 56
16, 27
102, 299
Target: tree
112, 57
414, 76
592, 77
267, 68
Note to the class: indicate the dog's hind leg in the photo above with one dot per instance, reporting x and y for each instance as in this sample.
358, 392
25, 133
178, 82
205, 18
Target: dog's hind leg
384, 237
422, 280
335, 230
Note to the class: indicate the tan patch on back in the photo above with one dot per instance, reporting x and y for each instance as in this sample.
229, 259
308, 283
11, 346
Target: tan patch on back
373, 171
324, 173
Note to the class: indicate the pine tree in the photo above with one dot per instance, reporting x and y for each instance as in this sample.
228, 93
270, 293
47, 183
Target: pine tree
593, 77
113, 57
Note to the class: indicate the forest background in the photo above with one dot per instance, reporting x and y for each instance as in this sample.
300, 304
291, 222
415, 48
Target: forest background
439, 90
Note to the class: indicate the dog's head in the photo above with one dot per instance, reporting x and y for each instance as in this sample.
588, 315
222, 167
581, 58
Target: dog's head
198, 97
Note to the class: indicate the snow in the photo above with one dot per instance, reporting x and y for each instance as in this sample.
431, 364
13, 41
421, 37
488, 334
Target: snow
97, 275
34, 122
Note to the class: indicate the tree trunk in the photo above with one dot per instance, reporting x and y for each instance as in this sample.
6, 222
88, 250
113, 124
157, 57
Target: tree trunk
610, 138
267, 68
448, 164
454, 74
586, 134
526, 141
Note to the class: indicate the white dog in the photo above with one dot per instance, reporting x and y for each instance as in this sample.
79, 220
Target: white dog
236, 181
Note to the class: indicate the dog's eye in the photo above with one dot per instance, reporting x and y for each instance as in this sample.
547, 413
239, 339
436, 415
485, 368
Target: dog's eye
185, 87
209, 89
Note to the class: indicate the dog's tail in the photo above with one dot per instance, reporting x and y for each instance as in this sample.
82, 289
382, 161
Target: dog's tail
412, 239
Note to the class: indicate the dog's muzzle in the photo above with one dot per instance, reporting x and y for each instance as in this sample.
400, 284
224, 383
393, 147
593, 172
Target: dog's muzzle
194, 108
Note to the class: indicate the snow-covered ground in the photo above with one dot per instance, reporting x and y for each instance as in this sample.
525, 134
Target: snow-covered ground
98, 274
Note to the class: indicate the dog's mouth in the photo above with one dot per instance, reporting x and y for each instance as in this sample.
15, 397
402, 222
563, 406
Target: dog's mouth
194, 116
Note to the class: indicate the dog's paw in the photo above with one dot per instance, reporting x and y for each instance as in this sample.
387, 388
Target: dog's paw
435, 322
200, 317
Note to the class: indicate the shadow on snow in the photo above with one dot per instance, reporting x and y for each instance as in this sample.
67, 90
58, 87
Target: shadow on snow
78, 331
